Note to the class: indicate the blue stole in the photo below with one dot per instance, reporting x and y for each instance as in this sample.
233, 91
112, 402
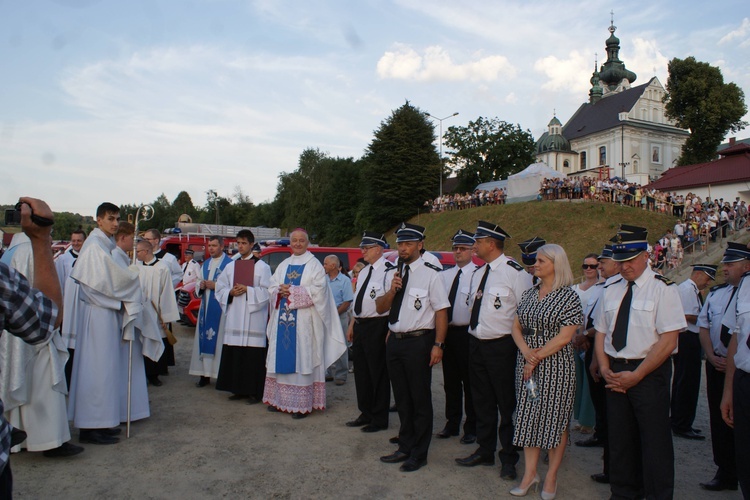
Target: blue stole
286, 334
209, 316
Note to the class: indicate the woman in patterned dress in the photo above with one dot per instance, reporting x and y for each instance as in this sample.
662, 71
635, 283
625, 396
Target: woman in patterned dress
548, 316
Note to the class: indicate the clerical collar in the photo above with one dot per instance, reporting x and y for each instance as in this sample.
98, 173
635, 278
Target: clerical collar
74, 254
249, 257
151, 263
160, 253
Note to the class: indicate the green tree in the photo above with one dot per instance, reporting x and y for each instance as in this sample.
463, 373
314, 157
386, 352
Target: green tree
488, 150
183, 204
401, 169
698, 99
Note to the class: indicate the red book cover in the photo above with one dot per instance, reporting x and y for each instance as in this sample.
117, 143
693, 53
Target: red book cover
244, 272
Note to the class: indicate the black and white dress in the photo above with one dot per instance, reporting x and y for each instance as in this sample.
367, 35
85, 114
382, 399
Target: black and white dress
541, 423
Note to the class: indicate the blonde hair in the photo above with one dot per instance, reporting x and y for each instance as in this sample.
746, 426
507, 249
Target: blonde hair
556, 254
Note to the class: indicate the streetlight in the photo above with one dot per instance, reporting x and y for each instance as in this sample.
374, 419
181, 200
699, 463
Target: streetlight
441, 145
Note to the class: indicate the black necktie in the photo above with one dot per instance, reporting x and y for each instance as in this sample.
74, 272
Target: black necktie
399, 298
725, 337
700, 297
452, 295
361, 294
478, 299
620, 333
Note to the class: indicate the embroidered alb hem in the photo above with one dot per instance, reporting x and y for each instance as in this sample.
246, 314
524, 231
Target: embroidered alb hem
295, 398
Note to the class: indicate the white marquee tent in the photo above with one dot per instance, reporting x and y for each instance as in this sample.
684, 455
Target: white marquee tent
524, 186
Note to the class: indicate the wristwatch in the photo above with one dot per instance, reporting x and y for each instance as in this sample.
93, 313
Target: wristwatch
440, 345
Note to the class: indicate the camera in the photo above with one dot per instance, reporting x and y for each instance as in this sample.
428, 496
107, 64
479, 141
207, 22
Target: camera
13, 216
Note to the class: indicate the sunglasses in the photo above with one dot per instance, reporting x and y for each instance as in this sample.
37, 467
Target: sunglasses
590, 266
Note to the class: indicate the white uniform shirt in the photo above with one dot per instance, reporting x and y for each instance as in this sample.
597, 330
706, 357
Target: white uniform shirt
716, 305
190, 272
424, 294
691, 304
461, 311
742, 328
171, 262
655, 309
505, 284
592, 301
376, 287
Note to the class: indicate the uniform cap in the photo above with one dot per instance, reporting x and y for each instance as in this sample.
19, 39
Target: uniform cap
489, 230
735, 252
529, 248
463, 238
709, 269
370, 238
409, 232
629, 243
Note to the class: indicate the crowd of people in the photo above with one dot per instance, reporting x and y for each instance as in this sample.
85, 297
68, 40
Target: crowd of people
522, 347
458, 201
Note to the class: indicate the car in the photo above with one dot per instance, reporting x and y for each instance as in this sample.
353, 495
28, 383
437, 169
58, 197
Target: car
189, 303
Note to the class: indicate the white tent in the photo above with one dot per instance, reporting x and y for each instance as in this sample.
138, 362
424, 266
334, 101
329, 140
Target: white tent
524, 185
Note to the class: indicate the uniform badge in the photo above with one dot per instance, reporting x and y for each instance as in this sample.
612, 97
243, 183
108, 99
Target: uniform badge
498, 304
478, 295
372, 294
417, 304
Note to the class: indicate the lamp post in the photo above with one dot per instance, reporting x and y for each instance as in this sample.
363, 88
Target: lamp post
441, 145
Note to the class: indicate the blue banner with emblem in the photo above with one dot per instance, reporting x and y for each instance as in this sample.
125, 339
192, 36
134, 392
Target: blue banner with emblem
286, 334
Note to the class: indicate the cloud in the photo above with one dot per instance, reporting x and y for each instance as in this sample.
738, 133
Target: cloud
405, 63
740, 32
647, 60
565, 75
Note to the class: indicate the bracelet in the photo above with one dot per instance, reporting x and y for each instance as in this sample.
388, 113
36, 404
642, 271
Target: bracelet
440, 345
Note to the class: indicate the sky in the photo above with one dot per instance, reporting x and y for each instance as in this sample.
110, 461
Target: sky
121, 101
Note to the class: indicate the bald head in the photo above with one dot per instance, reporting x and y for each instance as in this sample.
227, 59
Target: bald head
144, 251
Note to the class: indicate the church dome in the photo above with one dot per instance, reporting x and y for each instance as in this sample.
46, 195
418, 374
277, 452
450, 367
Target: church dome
552, 142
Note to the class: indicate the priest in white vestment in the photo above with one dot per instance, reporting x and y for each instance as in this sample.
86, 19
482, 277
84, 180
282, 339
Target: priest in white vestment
209, 330
32, 380
99, 315
65, 261
304, 333
242, 291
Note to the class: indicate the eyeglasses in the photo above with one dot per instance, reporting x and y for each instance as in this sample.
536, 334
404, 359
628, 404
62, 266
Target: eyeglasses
364, 249
590, 266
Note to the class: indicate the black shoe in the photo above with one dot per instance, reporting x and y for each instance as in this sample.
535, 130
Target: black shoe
273, 409
395, 457
236, 397
689, 435
203, 382
299, 416
697, 431
329, 379
468, 438
155, 381
94, 436
393, 409
358, 422
372, 428
600, 478
252, 401
394, 440
591, 442
508, 472
113, 431
446, 433
717, 484
412, 465
17, 436
475, 459
64, 450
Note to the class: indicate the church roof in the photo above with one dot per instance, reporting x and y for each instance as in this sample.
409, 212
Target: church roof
604, 114
733, 166
552, 142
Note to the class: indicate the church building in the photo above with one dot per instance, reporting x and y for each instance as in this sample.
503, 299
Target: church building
620, 132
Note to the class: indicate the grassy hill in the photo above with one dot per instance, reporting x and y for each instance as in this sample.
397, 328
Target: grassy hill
580, 228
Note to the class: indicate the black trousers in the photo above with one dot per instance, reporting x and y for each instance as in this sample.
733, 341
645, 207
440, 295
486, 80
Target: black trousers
599, 398
742, 429
456, 380
6, 482
686, 383
370, 369
492, 370
722, 436
640, 438
161, 367
411, 377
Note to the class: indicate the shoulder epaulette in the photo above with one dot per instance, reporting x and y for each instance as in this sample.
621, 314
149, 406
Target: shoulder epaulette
612, 283
432, 266
476, 269
718, 287
389, 265
390, 268
663, 279
515, 265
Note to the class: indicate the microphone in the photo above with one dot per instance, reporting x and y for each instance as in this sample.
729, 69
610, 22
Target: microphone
400, 264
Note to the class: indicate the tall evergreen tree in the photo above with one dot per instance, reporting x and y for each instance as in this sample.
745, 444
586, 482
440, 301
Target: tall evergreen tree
401, 169
698, 99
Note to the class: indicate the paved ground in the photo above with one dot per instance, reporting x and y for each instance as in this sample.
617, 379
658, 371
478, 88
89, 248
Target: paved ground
197, 444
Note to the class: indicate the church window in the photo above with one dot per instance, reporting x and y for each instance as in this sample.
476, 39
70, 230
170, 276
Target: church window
602, 155
583, 160
566, 164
